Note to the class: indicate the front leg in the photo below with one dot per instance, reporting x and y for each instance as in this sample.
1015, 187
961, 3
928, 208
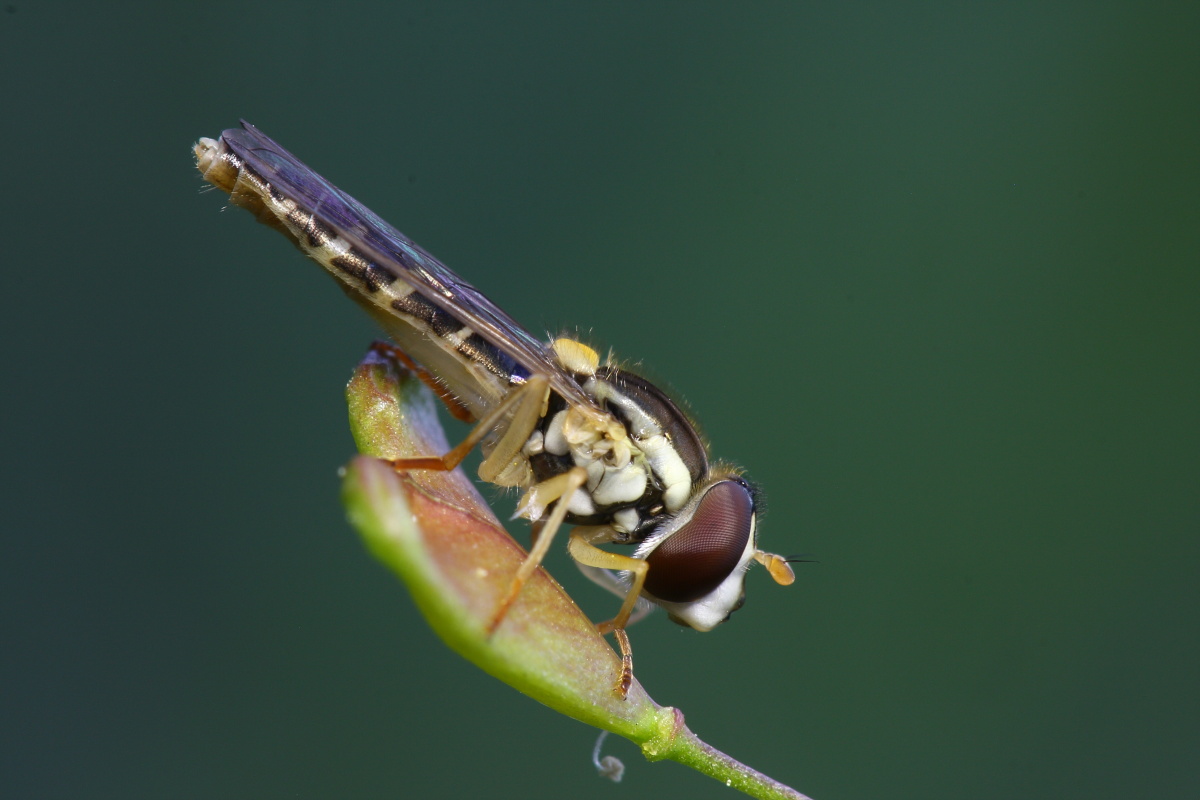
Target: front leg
582, 547
525, 404
557, 490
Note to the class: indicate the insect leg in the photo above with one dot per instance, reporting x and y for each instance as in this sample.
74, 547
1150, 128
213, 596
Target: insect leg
456, 408
524, 401
583, 549
625, 680
526, 413
607, 579
562, 486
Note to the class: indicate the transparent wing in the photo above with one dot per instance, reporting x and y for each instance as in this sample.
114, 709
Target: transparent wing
392, 249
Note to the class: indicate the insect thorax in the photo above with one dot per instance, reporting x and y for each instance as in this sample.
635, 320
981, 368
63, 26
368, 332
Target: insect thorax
639, 469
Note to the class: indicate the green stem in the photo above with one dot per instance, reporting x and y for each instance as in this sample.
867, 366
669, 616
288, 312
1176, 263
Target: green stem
691, 751
439, 536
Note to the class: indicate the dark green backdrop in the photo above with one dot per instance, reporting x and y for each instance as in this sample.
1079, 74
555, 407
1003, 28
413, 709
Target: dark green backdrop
931, 272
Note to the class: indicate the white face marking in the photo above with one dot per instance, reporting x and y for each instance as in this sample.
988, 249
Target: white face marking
711, 610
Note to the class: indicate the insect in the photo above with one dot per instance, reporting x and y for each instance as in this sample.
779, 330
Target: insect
592, 444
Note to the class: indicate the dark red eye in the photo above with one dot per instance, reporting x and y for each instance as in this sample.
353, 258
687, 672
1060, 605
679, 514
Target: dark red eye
695, 559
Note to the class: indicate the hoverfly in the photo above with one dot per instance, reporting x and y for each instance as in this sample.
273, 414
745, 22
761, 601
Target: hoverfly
592, 444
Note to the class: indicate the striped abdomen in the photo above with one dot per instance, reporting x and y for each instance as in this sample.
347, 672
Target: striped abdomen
474, 371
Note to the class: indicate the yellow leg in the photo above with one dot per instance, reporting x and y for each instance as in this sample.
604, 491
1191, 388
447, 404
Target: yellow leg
625, 680
527, 411
525, 402
565, 484
583, 549
456, 408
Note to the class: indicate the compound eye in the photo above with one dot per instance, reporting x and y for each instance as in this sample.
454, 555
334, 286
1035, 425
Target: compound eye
695, 559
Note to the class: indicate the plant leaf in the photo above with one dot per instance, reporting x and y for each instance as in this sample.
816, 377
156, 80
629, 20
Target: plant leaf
437, 533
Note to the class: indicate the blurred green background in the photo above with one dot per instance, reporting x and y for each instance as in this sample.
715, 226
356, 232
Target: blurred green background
931, 272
